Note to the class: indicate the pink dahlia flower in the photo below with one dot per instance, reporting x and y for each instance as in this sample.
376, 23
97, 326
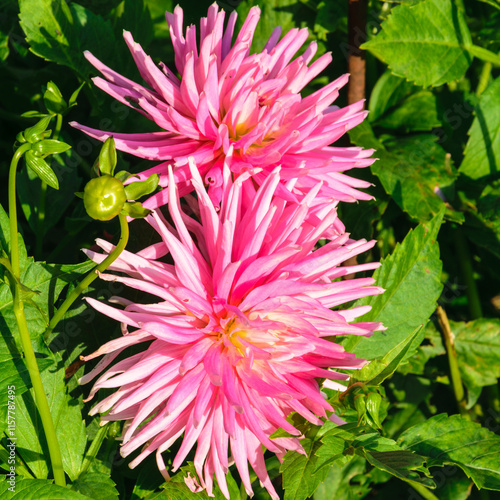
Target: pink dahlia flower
240, 334
228, 105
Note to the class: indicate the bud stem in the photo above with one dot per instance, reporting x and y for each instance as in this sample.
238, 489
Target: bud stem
122, 243
29, 355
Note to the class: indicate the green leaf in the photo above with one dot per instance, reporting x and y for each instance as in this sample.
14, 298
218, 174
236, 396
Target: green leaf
13, 374
135, 210
418, 112
482, 153
477, 344
134, 16
402, 464
136, 190
4, 46
411, 278
425, 43
388, 92
61, 34
300, 478
346, 483
456, 441
96, 485
377, 371
410, 169
274, 13
38, 489
42, 169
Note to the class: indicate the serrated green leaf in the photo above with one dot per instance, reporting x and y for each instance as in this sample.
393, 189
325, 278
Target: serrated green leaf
274, 13
425, 43
380, 369
411, 278
42, 169
388, 92
410, 169
38, 489
456, 441
417, 113
61, 34
402, 464
482, 153
300, 478
339, 484
96, 485
477, 345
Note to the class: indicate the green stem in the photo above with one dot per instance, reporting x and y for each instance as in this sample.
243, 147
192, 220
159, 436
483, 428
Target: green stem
94, 448
424, 492
40, 397
14, 240
484, 78
92, 275
465, 260
43, 199
29, 355
456, 379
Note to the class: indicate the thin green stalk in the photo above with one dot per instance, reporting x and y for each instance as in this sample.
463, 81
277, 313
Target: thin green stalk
122, 243
94, 448
456, 379
29, 355
43, 199
465, 261
424, 492
14, 242
484, 78
40, 397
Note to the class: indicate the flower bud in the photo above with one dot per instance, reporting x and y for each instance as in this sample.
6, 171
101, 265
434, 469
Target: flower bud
104, 197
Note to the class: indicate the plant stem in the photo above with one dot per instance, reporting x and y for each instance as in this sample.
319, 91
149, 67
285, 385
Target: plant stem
484, 78
14, 240
94, 448
122, 243
465, 260
424, 492
43, 199
456, 379
40, 397
29, 355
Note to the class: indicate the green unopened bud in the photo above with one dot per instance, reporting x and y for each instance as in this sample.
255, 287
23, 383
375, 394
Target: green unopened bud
104, 197
53, 99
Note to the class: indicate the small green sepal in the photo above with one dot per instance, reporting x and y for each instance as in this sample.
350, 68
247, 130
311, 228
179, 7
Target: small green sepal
49, 147
107, 157
136, 190
135, 210
53, 100
42, 169
39, 131
123, 175
74, 96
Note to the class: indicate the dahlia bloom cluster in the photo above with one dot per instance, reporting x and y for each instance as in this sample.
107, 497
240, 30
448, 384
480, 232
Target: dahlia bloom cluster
238, 329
